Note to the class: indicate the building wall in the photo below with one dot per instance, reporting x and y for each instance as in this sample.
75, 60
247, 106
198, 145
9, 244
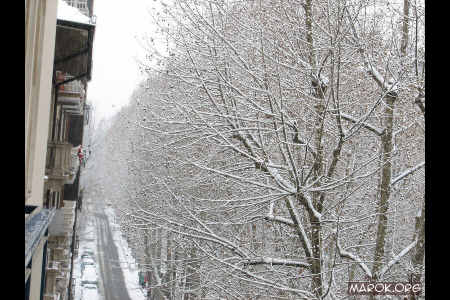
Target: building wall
40, 30
42, 40
36, 272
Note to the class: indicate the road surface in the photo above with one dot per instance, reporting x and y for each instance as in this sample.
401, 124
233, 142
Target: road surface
111, 280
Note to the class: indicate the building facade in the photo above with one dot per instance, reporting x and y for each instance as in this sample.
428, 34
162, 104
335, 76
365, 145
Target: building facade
40, 32
58, 59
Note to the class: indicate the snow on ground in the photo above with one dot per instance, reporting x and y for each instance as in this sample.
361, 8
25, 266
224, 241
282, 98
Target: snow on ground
127, 262
88, 241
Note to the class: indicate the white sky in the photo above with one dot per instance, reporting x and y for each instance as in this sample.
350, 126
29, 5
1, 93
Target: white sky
115, 74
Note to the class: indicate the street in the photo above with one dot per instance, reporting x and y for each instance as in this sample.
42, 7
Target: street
96, 232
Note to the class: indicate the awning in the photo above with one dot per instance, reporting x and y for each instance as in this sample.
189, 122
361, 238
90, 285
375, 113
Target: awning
74, 41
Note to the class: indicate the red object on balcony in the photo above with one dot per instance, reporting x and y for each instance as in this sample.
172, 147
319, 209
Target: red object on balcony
60, 78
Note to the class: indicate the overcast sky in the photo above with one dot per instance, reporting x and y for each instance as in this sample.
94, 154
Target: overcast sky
115, 74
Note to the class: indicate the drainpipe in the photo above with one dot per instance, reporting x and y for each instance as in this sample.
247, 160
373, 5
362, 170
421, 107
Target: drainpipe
72, 247
55, 106
44, 266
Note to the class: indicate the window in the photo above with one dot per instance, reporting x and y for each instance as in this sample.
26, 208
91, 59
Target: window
53, 201
81, 4
47, 199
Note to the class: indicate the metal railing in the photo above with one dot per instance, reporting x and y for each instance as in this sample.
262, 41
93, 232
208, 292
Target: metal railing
75, 86
36, 225
71, 94
72, 87
59, 162
53, 265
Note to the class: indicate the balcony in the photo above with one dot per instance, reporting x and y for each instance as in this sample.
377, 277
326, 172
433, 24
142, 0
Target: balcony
62, 282
53, 270
59, 168
63, 221
37, 220
71, 92
73, 110
52, 296
53, 267
60, 255
58, 240
71, 95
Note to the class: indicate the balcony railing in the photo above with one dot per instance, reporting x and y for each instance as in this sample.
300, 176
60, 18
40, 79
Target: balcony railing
53, 266
73, 109
52, 296
36, 225
59, 166
71, 94
72, 88
63, 221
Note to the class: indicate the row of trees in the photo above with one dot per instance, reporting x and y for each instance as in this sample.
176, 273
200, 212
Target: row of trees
276, 150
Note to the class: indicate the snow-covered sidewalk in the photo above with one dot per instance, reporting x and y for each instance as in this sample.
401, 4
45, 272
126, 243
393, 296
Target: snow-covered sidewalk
88, 241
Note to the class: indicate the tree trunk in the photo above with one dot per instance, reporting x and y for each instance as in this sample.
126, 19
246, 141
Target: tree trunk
318, 92
385, 185
419, 251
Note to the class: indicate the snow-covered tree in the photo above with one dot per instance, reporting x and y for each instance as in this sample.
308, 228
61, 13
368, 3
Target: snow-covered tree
277, 148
